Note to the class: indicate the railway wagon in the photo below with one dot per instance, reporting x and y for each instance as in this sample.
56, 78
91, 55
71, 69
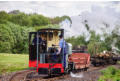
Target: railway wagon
43, 46
105, 58
79, 61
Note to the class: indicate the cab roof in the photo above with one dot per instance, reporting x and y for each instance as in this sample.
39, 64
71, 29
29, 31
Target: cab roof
45, 29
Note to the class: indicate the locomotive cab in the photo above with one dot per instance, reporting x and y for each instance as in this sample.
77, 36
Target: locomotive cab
43, 46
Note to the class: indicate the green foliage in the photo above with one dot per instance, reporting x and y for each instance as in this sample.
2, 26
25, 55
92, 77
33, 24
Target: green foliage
111, 73
6, 38
116, 37
28, 19
95, 44
15, 27
4, 17
39, 20
57, 20
47, 26
34, 20
21, 19
108, 41
14, 38
23, 45
14, 12
77, 41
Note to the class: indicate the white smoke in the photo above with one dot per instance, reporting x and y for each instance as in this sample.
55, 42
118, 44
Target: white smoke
71, 30
76, 75
114, 48
66, 25
100, 19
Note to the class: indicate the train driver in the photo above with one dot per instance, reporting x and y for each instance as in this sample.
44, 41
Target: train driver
34, 42
62, 45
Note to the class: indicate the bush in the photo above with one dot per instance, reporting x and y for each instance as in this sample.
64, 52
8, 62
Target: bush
14, 38
111, 74
6, 38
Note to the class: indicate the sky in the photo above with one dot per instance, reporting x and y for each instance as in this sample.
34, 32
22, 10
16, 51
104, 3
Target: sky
101, 16
55, 8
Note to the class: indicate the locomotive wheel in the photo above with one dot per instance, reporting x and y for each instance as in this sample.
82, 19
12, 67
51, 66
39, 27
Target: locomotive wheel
70, 68
95, 64
114, 62
111, 61
67, 71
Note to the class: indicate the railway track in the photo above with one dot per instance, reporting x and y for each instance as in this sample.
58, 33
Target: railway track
32, 75
20, 76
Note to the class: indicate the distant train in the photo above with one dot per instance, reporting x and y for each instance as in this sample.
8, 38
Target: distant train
43, 46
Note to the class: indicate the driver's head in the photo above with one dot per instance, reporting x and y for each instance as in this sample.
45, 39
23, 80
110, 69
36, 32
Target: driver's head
60, 36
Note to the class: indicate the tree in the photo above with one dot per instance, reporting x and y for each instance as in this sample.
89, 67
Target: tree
94, 45
4, 17
77, 41
14, 12
6, 38
57, 19
20, 34
15, 27
14, 38
39, 20
21, 19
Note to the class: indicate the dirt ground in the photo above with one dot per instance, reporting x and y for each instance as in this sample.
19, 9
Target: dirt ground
92, 74
83, 76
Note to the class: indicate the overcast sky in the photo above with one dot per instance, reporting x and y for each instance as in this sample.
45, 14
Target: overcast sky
52, 9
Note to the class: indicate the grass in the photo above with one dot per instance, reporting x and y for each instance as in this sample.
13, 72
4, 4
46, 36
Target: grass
12, 62
110, 74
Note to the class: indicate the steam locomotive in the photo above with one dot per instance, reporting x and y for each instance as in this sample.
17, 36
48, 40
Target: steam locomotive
43, 46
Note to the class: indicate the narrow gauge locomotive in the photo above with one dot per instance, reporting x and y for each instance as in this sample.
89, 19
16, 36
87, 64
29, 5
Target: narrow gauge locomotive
43, 46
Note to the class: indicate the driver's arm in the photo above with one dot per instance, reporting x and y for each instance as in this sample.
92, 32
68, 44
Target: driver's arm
60, 47
59, 50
